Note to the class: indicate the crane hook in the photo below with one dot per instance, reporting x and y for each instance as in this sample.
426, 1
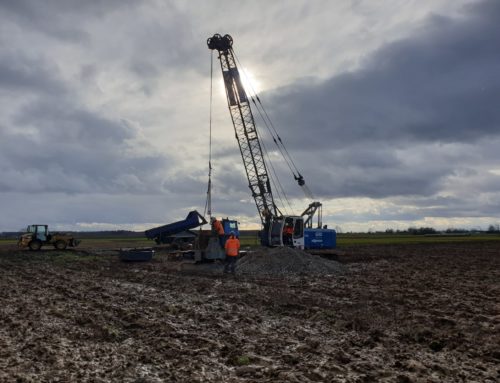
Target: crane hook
300, 180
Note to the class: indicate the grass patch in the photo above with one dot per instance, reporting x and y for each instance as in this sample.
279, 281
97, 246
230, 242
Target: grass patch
249, 240
390, 239
8, 241
402, 239
119, 242
242, 360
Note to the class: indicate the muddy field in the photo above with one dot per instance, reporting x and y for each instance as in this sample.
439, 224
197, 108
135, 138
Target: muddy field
419, 313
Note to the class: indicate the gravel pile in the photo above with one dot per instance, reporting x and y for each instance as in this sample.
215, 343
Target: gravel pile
282, 261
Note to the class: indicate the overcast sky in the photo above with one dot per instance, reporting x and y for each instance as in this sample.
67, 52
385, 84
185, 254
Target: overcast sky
389, 108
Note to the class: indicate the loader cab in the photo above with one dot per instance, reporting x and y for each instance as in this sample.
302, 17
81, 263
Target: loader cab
39, 232
287, 231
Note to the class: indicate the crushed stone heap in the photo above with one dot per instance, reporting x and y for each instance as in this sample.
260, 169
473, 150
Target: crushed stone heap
282, 261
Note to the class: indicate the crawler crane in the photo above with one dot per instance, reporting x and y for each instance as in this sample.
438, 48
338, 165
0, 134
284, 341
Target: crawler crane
277, 229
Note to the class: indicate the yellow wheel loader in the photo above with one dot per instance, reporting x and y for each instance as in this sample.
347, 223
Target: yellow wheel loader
37, 236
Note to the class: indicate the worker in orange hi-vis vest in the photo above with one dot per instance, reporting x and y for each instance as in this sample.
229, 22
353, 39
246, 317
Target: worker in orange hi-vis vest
219, 230
232, 247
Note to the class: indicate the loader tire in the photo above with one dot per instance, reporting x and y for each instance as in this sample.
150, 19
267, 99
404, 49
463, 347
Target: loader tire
60, 245
35, 245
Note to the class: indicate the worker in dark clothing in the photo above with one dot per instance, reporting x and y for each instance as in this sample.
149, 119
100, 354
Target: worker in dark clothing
232, 248
219, 230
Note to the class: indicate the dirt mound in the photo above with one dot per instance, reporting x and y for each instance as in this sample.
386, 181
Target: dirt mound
282, 261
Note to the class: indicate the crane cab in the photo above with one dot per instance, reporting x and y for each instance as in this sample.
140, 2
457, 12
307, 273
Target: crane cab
286, 231
230, 225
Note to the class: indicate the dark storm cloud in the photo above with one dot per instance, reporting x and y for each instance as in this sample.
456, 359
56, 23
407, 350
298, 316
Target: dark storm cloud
379, 171
51, 141
146, 37
157, 45
442, 85
46, 17
61, 121
184, 184
19, 73
456, 207
74, 150
59, 19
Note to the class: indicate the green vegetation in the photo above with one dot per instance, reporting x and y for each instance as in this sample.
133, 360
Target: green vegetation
242, 360
351, 239
120, 242
8, 241
343, 239
400, 239
249, 240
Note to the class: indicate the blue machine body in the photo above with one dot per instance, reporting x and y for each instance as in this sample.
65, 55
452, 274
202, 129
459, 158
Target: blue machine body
320, 238
229, 226
161, 234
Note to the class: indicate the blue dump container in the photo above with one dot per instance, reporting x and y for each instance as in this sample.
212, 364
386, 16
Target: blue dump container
320, 239
136, 255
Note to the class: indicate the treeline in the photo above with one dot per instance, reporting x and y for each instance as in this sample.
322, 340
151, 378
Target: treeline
85, 234
492, 229
108, 234
430, 230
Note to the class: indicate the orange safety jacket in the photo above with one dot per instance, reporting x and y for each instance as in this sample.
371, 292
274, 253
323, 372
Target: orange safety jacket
288, 230
218, 227
232, 247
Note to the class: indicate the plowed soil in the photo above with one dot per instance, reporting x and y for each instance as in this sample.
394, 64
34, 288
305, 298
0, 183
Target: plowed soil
416, 313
